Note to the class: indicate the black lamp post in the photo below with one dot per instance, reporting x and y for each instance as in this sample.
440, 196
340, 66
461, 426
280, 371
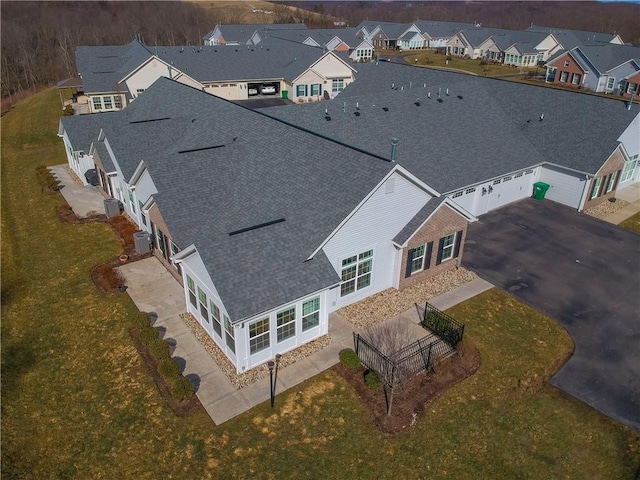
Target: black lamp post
270, 365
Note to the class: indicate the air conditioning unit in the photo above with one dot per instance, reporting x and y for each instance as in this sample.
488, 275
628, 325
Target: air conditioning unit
142, 242
111, 207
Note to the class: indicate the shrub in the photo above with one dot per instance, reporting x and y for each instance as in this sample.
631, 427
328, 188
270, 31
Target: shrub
349, 358
158, 348
142, 320
182, 389
148, 334
169, 368
45, 178
107, 277
68, 111
372, 380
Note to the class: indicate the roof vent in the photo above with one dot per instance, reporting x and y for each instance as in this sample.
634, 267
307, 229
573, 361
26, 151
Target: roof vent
440, 100
386, 109
255, 227
460, 97
200, 149
357, 114
446, 92
417, 102
541, 117
394, 144
429, 95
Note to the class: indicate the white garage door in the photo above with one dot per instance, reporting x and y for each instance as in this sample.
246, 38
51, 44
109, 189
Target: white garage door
564, 186
510, 188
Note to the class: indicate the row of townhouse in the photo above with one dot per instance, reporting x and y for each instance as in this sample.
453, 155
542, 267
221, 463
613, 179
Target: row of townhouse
114, 76
272, 220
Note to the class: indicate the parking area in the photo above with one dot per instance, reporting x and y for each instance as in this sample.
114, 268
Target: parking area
583, 272
263, 102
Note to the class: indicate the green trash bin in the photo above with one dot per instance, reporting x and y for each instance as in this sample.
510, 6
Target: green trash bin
539, 190
285, 94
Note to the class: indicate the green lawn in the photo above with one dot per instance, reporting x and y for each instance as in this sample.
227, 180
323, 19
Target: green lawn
77, 401
632, 223
429, 58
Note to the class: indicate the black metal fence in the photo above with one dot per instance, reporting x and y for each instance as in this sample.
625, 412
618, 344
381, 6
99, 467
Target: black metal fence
441, 324
415, 358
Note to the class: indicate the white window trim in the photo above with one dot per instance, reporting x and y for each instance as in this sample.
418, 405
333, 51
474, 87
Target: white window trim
282, 326
450, 246
262, 338
358, 275
596, 188
420, 257
611, 182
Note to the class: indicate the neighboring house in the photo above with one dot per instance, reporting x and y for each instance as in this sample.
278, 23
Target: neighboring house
385, 35
579, 36
342, 40
246, 34
272, 227
101, 70
330, 75
631, 86
596, 67
234, 73
438, 34
411, 40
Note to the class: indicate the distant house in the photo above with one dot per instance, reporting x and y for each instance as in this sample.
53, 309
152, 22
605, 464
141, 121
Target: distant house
438, 34
246, 34
341, 40
597, 67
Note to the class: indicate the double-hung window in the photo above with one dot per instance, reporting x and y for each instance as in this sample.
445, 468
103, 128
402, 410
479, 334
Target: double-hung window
259, 335
316, 89
310, 313
229, 335
215, 317
117, 101
595, 191
356, 272
417, 258
301, 90
611, 82
143, 217
97, 103
337, 85
611, 182
191, 286
108, 104
629, 168
564, 76
286, 321
202, 298
576, 79
449, 247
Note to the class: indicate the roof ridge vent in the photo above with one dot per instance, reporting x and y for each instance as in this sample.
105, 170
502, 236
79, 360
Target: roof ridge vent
149, 120
200, 149
256, 227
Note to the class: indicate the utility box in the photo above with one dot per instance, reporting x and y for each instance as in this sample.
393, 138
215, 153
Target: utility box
539, 190
142, 242
111, 207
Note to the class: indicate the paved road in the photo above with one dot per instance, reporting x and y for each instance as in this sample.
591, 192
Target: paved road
583, 272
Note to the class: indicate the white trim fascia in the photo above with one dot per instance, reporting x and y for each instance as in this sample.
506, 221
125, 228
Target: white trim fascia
137, 173
148, 205
182, 255
396, 169
135, 70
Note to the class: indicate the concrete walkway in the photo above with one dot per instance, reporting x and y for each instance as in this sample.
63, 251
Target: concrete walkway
83, 200
629, 194
154, 290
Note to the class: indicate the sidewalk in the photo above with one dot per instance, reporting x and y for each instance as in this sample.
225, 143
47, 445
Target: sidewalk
83, 200
154, 290
629, 194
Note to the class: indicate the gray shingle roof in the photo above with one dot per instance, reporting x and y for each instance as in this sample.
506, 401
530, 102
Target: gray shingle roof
607, 56
321, 35
243, 32
273, 58
581, 35
102, 67
414, 224
441, 29
493, 130
83, 130
265, 171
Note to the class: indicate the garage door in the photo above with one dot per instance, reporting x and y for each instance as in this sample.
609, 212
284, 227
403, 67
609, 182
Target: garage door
510, 188
564, 187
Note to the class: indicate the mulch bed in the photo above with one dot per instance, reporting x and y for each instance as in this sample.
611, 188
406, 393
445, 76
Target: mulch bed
180, 408
410, 402
104, 275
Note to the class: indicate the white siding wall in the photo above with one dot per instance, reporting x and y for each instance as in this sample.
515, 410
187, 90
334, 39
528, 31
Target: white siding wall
78, 162
148, 74
309, 78
332, 67
373, 226
194, 268
144, 189
246, 360
565, 187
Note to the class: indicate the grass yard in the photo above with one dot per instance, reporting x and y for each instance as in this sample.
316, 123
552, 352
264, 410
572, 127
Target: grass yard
632, 223
430, 58
78, 403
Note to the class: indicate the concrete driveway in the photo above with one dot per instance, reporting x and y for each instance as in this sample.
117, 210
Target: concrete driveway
583, 272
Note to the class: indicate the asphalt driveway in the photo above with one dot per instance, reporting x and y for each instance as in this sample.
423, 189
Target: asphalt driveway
583, 272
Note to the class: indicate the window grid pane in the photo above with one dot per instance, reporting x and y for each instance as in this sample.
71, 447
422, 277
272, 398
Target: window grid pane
215, 316
447, 246
356, 272
259, 335
286, 321
311, 314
